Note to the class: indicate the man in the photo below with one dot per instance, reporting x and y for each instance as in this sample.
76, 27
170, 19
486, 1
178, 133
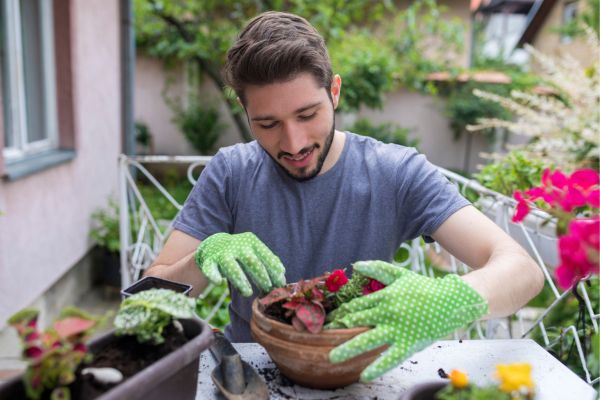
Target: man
322, 199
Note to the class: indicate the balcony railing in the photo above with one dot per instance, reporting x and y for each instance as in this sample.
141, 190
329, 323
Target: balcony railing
143, 236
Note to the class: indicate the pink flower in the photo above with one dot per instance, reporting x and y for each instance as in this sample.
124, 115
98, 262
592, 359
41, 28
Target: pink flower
372, 286
336, 280
593, 198
567, 193
579, 251
559, 180
585, 178
522, 207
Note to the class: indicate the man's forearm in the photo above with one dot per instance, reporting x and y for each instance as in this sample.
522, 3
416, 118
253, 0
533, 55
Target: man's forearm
184, 270
508, 281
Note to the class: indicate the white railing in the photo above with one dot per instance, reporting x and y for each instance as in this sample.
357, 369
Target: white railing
143, 236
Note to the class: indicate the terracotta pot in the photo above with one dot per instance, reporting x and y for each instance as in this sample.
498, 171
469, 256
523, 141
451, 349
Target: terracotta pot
423, 391
175, 376
303, 357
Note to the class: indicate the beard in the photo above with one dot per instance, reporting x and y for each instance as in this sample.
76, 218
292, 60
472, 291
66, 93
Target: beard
305, 174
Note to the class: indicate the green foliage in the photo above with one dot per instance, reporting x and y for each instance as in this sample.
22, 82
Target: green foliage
474, 393
563, 315
589, 17
594, 361
53, 355
143, 138
410, 43
142, 134
424, 40
351, 290
463, 108
514, 172
386, 132
146, 314
200, 126
204, 307
105, 226
366, 71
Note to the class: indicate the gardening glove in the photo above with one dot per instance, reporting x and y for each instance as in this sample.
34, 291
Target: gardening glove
408, 315
235, 256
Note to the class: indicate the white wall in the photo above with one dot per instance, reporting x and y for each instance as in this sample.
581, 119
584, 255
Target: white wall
150, 108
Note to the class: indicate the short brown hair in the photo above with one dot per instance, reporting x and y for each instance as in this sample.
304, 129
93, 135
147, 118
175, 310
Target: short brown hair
276, 47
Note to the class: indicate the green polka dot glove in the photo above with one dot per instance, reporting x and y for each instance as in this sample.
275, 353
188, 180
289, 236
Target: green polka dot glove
237, 256
408, 315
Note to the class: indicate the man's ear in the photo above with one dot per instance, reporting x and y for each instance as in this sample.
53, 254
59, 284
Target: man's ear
336, 88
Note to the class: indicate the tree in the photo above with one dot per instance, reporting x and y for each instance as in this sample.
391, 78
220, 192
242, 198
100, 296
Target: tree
201, 31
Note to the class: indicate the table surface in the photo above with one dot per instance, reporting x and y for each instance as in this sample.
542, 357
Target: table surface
475, 357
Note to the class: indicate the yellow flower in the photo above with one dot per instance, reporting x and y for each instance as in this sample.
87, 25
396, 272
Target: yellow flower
458, 379
514, 377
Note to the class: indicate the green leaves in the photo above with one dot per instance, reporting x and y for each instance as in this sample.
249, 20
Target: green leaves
147, 313
54, 354
201, 31
105, 231
514, 172
386, 132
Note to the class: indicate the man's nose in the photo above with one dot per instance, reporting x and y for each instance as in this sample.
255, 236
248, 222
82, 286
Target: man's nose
293, 139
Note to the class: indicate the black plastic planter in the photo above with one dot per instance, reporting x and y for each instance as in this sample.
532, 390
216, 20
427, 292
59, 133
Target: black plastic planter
174, 376
151, 282
423, 391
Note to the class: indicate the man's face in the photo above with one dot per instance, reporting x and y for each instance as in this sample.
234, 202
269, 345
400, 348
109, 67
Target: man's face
294, 122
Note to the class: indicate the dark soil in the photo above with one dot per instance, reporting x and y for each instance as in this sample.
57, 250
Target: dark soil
277, 312
129, 357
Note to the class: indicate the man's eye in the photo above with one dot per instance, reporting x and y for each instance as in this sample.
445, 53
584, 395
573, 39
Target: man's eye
269, 126
307, 117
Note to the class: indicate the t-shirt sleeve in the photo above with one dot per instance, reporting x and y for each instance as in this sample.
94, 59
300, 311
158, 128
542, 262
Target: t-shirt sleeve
207, 209
427, 197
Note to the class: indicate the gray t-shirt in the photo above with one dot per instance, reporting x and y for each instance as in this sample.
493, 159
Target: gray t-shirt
373, 199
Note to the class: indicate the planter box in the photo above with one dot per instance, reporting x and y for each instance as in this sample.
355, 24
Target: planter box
174, 376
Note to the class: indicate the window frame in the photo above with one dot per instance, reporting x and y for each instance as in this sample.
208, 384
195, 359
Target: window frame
15, 102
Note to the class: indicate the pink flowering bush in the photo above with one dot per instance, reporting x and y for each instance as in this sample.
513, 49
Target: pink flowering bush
574, 201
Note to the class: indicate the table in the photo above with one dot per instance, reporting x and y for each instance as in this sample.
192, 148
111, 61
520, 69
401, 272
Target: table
475, 357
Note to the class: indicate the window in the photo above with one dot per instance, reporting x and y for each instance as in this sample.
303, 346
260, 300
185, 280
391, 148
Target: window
568, 19
28, 78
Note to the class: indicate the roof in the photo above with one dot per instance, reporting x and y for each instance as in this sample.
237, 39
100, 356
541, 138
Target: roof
480, 76
505, 6
535, 20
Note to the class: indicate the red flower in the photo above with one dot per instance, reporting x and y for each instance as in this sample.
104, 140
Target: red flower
33, 352
80, 347
336, 280
372, 286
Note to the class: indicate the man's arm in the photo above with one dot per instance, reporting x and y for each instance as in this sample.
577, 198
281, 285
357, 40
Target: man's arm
504, 274
176, 262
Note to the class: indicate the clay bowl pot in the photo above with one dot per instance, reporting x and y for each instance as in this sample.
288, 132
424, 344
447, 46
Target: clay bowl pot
303, 357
